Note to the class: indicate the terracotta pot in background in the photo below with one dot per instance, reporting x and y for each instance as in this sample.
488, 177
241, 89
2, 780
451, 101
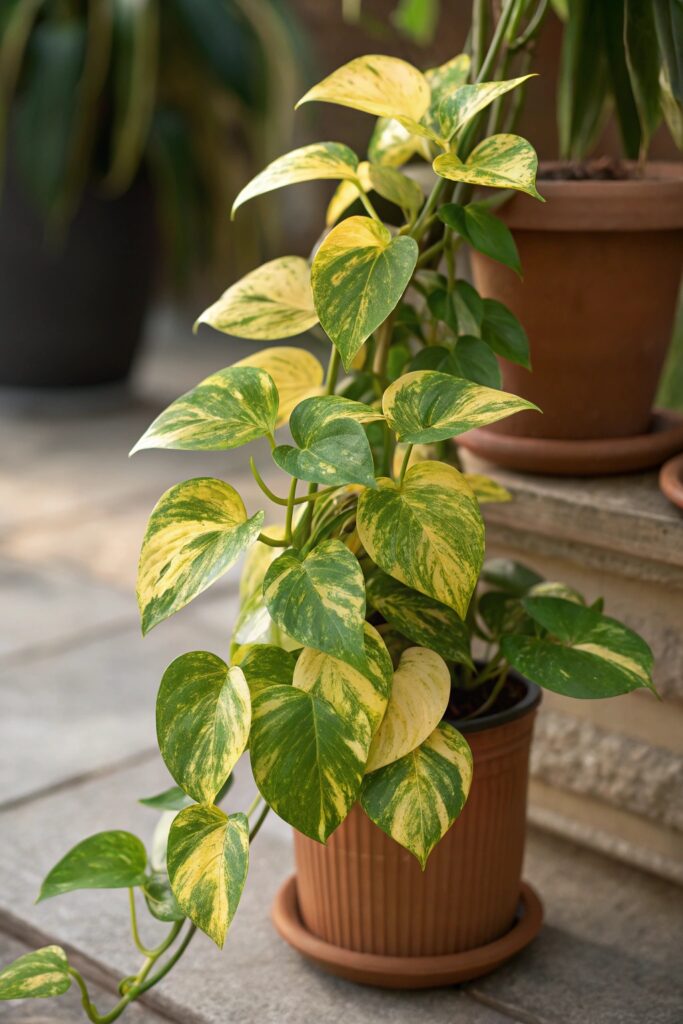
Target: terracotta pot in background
602, 266
365, 893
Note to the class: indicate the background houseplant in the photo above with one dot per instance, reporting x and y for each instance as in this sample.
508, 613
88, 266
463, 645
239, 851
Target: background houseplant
119, 118
364, 598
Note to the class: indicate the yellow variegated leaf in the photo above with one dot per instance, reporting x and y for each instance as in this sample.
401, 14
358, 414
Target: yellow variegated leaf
376, 84
36, 975
501, 161
416, 799
419, 697
359, 275
392, 144
196, 531
255, 626
428, 533
265, 665
203, 720
487, 490
256, 562
343, 196
360, 697
297, 375
208, 860
460, 105
309, 163
388, 182
273, 301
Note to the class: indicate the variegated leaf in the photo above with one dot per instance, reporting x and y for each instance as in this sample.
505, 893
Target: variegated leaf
208, 860
265, 665
228, 409
487, 490
159, 898
460, 105
425, 406
309, 163
583, 654
297, 375
316, 412
360, 698
427, 533
358, 275
255, 626
345, 194
419, 697
416, 799
36, 975
107, 860
377, 84
203, 719
334, 452
388, 182
307, 761
256, 562
420, 618
273, 301
196, 531
501, 161
320, 599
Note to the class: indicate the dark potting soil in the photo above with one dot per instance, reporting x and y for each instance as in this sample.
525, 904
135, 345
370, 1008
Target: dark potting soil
603, 169
465, 702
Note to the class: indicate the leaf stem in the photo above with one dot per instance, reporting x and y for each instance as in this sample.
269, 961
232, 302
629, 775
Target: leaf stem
134, 926
365, 200
404, 464
271, 541
290, 509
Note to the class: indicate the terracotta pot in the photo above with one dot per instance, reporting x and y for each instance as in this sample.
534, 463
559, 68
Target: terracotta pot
602, 266
364, 892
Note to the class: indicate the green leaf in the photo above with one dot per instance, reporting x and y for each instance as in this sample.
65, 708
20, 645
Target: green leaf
416, 799
422, 619
265, 665
37, 975
473, 359
419, 697
384, 86
208, 860
359, 697
483, 231
487, 490
297, 375
203, 719
228, 409
172, 799
469, 309
621, 86
196, 532
428, 533
501, 161
307, 761
309, 163
425, 406
314, 413
160, 900
320, 599
503, 332
583, 86
643, 60
273, 301
669, 26
335, 453
395, 187
417, 19
510, 576
584, 654
107, 860
358, 275
459, 106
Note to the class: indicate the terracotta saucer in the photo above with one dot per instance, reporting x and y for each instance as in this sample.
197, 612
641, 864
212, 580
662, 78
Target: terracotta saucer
401, 971
601, 457
671, 480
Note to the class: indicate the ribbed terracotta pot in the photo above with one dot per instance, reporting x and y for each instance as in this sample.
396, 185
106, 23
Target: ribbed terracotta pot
364, 892
602, 266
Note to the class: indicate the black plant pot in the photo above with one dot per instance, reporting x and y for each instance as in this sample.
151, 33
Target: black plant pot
72, 311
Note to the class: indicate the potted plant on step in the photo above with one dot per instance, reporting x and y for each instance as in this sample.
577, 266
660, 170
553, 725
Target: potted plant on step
385, 699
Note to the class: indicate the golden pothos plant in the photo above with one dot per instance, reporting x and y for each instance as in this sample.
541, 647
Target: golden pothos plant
351, 659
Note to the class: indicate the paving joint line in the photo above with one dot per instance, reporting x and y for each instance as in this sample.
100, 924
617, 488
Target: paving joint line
515, 1013
67, 642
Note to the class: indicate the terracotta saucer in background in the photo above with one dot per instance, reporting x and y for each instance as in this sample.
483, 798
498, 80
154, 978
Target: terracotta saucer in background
671, 480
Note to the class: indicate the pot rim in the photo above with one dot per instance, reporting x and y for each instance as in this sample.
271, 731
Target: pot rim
529, 702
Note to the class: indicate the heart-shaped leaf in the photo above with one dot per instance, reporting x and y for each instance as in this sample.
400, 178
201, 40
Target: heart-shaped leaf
388, 182
196, 531
503, 332
309, 163
422, 619
483, 231
425, 406
228, 409
473, 359
208, 860
314, 413
360, 698
171, 799
296, 373
584, 654
460, 105
307, 761
427, 533
160, 900
320, 599
203, 720
416, 799
376, 84
419, 697
486, 490
36, 975
265, 665
336, 453
107, 860
273, 301
501, 161
358, 275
